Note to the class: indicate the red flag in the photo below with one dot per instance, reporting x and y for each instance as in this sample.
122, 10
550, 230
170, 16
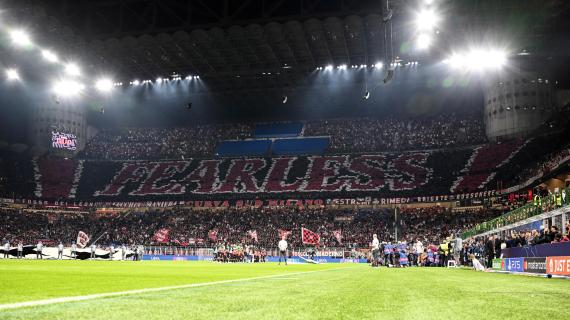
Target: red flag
253, 234
213, 235
309, 237
161, 236
338, 235
82, 239
284, 233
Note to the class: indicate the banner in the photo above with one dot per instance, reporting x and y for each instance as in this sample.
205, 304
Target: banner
558, 265
253, 234
258, 203
213, 235
535, 265
82, 239
284, 233
309, 237
161, 236
338, 235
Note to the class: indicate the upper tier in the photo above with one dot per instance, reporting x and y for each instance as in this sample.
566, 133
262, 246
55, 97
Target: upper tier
346, 136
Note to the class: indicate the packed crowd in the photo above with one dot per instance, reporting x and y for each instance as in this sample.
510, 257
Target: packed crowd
434, 223
545, 165
490, 247
162, 143
392, 134
347, 135
261, 226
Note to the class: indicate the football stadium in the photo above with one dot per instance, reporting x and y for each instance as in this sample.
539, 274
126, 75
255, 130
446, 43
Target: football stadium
284, 159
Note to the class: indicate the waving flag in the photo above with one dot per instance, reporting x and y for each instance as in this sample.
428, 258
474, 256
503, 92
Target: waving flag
284, 233
338, 235
82, 239
213, 235
309, 237
161, 236
253, 234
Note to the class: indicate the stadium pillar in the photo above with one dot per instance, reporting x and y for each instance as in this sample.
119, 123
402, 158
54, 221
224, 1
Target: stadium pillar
396, 224
508, 114
58, 115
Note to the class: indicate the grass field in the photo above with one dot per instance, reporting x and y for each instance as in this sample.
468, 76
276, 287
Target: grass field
268, 291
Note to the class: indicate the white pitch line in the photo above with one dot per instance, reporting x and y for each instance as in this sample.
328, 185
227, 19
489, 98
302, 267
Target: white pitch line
145, 290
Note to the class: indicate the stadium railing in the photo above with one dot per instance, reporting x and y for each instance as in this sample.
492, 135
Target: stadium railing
535, 208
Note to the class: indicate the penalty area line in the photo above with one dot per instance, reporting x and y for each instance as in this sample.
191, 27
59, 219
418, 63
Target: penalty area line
44, 302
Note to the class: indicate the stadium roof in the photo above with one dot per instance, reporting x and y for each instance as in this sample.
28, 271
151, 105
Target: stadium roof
227, 42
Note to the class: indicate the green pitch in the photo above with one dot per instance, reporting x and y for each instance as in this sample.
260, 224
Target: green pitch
268, 291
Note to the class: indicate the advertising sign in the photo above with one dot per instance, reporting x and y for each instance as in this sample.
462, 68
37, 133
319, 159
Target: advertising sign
558, 265
514, 264
497, 264
535, 265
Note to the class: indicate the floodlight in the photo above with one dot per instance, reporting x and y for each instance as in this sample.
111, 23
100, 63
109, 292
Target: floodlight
12, 74
20, 38
49, 56
424, 41
104, 85
67, 88
426, 20
72, 69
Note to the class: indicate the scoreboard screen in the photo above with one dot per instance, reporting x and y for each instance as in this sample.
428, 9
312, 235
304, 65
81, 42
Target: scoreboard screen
66, 141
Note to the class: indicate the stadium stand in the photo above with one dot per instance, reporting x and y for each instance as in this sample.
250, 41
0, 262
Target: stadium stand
300, 146
243, 148
392, 134
404, 174
346, 136
162, 143
278, 130
480, 167
195, 227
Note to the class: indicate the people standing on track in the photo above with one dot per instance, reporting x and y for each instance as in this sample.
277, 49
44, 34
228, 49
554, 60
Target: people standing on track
282, 250
60, 251
74, 251
6, 249
375, 250
20, 250
39, 248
